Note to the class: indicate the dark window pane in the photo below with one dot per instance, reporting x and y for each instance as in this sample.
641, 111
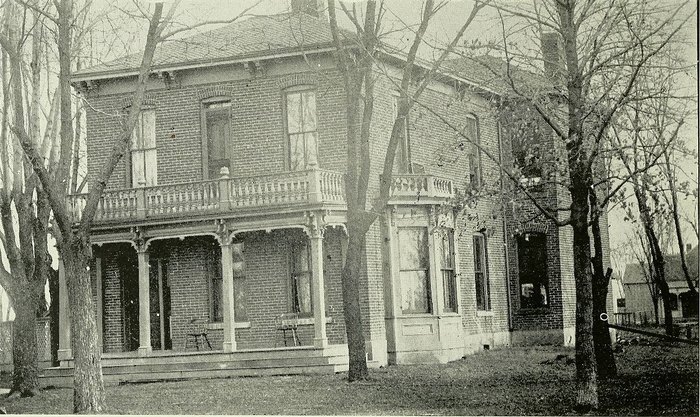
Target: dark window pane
532, 265
450, 291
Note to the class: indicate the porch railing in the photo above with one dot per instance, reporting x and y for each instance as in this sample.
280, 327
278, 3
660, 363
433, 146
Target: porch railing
313, 186
421, 185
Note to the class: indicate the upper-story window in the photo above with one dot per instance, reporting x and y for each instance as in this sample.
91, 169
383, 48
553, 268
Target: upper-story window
527, 133
471, 131
144, 160
302, 129
401, 161
532, 267
217, 124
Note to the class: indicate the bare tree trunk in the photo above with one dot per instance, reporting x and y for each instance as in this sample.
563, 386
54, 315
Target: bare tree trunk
586, 372
351, 305
88, 393
605, 360
25, 375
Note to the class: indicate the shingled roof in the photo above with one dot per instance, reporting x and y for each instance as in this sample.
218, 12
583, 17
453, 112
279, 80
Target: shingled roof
673, 269
494, 72
290, 34
255, 37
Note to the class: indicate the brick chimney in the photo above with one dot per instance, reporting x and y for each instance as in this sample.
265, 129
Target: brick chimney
316, 8
552, 54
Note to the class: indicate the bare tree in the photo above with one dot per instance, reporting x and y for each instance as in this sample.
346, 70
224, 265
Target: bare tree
357, 57
25, 235
605, 46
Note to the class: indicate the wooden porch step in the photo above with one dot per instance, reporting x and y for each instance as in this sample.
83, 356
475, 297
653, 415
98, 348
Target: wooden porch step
216, 356
64, 378
211, 365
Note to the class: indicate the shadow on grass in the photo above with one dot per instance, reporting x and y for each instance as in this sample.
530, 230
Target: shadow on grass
517, 381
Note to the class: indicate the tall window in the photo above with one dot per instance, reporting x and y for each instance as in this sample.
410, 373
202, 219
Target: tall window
471, 130
532, 265
413, 265
301, 129
301, 277
144, 161
401, 160
447, 269
216, 290
481, 273
218, 130
240, 305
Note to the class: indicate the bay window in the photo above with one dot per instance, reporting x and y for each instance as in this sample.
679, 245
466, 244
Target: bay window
414, 267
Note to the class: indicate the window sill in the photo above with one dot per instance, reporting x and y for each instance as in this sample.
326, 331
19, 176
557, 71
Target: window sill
484, 313
309, 321
220, 325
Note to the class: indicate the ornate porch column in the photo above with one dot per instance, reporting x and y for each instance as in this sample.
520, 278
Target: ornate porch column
315, 231
64, 344
141, 246
225, 238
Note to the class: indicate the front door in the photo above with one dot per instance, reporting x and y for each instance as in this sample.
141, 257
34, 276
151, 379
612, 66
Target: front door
129, 274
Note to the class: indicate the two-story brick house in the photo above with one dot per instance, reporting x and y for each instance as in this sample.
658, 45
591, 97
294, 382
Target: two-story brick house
228, 216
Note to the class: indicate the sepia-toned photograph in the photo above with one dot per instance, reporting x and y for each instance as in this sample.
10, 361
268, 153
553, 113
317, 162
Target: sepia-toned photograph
349, 207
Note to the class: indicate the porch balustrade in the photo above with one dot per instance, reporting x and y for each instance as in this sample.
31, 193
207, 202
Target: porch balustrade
421, 185
310, 187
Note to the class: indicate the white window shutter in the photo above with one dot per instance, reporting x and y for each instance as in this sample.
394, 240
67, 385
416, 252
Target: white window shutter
151, 167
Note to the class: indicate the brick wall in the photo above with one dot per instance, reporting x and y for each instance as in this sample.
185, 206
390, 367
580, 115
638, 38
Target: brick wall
267, 286
257, 128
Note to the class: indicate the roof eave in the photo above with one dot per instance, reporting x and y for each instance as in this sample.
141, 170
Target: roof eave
125, 73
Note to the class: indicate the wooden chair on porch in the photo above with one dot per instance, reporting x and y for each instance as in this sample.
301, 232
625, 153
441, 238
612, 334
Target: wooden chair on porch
287, 324
197, 334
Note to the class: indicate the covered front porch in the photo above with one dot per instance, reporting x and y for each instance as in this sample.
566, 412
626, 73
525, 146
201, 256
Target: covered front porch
158, 294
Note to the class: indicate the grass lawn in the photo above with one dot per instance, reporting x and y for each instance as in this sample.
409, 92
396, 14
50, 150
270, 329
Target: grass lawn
653, 380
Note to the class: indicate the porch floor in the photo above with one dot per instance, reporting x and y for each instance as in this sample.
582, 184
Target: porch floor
127, 367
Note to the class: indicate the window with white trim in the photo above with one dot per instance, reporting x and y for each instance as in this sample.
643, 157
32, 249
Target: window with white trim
401, 160
301, 126
144, 158
414, 270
